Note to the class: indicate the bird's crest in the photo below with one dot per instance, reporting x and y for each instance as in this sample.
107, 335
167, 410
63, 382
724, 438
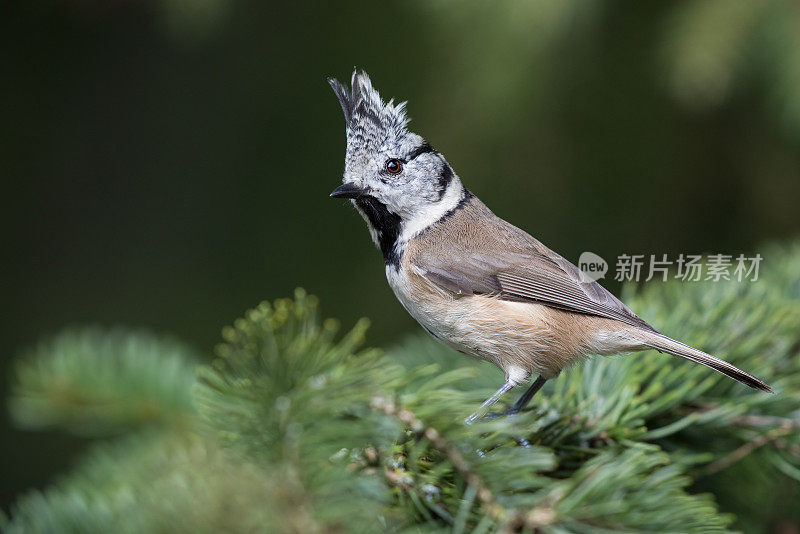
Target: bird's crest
370, 122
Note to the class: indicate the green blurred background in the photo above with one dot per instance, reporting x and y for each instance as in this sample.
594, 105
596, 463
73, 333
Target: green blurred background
167, 164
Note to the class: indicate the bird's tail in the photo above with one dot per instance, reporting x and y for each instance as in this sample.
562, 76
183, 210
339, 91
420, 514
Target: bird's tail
663, 343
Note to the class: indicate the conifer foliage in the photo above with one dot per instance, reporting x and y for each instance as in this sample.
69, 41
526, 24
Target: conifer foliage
293, 429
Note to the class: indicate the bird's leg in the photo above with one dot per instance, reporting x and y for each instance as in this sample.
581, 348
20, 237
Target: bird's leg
505, 388
523, 400
526, 397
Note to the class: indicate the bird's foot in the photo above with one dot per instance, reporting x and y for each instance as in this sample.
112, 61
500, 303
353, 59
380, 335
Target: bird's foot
474, 417
488, 416
495, 415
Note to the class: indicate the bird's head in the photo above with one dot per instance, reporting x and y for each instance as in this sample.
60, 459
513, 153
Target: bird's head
395, 179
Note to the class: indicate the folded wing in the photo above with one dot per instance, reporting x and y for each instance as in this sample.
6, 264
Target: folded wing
524, 273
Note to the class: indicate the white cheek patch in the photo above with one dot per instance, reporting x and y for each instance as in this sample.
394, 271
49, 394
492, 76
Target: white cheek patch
429, 213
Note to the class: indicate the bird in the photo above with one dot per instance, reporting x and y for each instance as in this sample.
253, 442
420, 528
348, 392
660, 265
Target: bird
474, 281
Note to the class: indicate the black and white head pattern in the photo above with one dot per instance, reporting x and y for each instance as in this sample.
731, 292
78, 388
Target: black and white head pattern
396, 205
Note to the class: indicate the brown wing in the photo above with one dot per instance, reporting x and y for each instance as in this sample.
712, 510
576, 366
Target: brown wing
500, 259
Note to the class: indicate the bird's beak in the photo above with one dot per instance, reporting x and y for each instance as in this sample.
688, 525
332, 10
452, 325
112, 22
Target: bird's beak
348, 190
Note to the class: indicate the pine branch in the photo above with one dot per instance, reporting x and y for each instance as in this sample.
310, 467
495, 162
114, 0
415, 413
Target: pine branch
300, 432
155, 481
97, 382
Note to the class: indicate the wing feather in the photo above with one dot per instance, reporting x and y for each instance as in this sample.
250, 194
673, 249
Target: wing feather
474, 252
544, 278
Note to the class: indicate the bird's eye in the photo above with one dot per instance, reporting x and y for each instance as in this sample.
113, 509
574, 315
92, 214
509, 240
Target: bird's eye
394, 166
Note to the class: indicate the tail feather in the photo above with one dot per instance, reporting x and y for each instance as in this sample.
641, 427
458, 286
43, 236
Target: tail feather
663, 343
